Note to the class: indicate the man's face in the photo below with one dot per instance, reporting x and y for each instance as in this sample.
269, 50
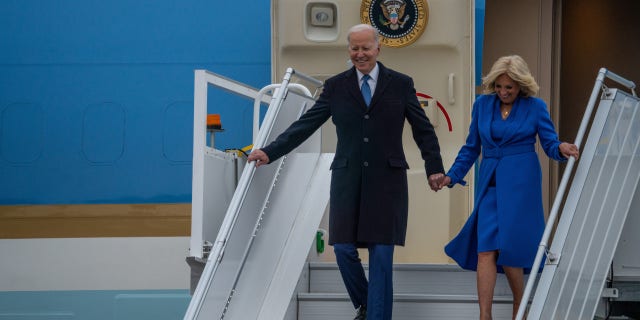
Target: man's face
363, 50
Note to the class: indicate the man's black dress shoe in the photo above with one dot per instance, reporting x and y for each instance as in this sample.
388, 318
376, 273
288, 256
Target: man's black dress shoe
362, 313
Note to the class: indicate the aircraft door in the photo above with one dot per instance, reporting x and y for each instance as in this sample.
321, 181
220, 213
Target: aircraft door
310, 36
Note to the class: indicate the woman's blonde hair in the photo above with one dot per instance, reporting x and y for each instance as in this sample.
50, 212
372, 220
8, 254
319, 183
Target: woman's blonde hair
516, 68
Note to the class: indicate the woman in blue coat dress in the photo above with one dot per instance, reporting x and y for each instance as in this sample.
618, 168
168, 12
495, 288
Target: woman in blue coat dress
504, 230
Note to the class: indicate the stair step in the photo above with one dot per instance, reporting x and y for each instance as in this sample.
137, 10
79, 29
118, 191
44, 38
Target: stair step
317, 306
406, 297
434, 279
421, 291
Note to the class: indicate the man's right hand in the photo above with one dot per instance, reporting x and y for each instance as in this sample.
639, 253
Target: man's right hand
259, 157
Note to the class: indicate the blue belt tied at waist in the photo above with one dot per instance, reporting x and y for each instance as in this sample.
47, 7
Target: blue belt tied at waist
507, 151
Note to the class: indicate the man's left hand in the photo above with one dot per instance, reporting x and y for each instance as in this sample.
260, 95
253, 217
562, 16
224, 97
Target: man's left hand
435, 181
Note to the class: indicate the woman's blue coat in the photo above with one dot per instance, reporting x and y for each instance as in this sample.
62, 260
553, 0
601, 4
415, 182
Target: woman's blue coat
518, 179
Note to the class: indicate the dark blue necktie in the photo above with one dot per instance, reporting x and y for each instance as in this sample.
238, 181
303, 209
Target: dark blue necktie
366, 90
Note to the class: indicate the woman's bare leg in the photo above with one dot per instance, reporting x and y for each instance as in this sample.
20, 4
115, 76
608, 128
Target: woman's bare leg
515, 276
486, 278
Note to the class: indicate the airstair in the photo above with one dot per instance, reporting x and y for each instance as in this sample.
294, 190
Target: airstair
603, 197
261, 246
253, 232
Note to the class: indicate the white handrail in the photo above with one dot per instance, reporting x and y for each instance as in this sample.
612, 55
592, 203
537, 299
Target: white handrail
258, 102
627, 83
202, 80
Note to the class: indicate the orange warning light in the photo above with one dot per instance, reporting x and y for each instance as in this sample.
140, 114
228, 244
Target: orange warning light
213, 121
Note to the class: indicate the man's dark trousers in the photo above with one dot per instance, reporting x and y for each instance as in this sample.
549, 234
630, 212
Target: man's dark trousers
377, 293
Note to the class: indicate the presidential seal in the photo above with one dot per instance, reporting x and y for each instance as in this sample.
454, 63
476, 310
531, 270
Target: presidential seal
399, 22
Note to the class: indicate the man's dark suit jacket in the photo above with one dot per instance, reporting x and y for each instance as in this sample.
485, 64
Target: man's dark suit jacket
369, 193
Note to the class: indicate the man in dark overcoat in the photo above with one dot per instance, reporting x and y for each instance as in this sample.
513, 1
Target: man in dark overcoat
369, 192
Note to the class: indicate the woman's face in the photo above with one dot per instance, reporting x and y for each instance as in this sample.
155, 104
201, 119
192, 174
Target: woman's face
506, 89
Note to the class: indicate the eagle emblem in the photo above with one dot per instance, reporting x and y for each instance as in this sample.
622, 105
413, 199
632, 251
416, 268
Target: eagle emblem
393, 11
399, 22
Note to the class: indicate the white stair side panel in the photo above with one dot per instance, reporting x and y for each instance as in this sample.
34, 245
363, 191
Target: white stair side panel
592, 221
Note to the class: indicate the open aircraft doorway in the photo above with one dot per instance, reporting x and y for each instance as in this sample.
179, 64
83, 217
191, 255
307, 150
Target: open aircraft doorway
312, 37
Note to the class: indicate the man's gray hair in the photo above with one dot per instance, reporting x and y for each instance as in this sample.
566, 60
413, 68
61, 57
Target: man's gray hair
364, 27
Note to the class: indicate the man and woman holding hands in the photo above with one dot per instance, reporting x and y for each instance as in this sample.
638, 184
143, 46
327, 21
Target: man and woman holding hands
369, 104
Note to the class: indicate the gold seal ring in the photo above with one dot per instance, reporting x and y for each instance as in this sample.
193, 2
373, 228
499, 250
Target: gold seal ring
399, 22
